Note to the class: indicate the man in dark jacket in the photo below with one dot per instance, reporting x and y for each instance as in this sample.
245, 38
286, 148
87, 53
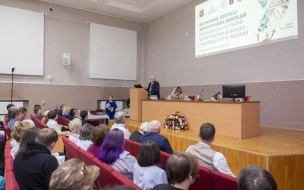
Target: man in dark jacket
153, 135
34, 165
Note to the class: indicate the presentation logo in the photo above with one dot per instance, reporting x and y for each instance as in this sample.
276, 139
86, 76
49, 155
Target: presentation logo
201, 13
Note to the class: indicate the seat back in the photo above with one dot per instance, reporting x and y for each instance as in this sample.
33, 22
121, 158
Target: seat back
204, 180
223, 181
164, 157
86, 157
128, 146
63, 121
7, 130
10, 180
104, 179
119, 179
70, 148
136, 147
38, 123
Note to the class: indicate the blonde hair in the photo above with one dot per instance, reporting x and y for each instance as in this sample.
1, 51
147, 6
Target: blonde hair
73, 174
19, 128
46, 111
75, 125
66, 110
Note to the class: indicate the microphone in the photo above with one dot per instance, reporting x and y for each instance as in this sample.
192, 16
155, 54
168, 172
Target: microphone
13, 69
199, 96
164, 95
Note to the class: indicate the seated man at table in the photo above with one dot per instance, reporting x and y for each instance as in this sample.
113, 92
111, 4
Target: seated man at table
205, 155
153, 135
120, 123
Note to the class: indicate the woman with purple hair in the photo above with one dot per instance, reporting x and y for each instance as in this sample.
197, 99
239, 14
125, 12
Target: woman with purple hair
113, 153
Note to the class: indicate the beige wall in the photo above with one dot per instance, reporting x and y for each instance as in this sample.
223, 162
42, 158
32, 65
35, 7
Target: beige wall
67, 31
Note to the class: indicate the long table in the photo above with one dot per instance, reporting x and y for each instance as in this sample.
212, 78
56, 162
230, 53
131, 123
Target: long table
232, 119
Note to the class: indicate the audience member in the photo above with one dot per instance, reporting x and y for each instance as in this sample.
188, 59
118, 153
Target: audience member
205, 155
60, 110
75, 127
23, 110
77, 113
34, 165
113, 153
10, 113
177, 93
153, 134
146, 174
16, 115
18, 130
38, 111
120, 124
135, 136
44, 118
52, 122
97, 136
182, 169
9, 106
29, 135
253, 177
84, 138
72, 114
74, 174
110, 107
66, 112
84, 116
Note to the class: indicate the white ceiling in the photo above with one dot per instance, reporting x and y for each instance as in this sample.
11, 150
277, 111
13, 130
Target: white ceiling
136, 10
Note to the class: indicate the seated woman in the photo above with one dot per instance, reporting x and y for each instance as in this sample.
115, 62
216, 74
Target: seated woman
113, 153
84, 138
146, 173
182, 168
75, 126
44, 116
177, 93
73, 174
97, 136
66, 112
135, 136
18, 130
29, 135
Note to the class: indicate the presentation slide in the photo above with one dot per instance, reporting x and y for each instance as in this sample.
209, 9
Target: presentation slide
226, 25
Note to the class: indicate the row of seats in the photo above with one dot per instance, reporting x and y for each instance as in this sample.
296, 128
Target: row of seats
38, 123
206, 180
10, 180
7, 130
107, 175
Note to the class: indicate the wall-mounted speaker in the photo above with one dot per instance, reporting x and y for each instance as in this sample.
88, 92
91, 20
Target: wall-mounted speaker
66, 59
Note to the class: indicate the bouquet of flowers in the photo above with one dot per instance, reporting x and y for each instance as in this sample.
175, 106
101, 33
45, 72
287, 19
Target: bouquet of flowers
176, 121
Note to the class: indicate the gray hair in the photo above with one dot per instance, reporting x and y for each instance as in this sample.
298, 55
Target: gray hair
85, 131
144, 126
119, 117
154, 126
152, 77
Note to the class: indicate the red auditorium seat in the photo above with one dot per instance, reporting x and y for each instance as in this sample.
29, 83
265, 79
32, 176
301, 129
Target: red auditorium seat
164, 157
104, 178
128, 146
9, 164
71, 148
86, 157
191, 97
223, 181
38, 123
7, 130
63, 121
119, 179
204, 180
10, 181
136, 147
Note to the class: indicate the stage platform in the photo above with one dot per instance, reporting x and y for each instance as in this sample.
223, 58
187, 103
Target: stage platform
280, 151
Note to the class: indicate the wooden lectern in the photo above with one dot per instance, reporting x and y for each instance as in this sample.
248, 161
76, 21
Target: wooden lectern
136, 96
